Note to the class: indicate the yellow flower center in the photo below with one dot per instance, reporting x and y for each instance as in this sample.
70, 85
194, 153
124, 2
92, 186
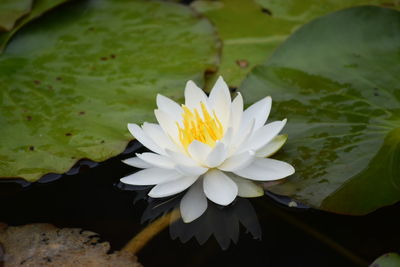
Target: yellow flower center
206, 129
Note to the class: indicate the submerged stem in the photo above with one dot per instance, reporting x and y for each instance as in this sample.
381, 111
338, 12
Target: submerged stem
154, 228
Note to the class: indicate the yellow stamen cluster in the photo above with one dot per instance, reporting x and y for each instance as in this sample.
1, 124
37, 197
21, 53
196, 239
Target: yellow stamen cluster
206, 129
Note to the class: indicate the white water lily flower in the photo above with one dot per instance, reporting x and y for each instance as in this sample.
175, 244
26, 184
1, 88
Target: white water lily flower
209, 145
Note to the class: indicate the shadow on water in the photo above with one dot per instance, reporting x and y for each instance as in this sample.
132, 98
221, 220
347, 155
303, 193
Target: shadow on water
88, 198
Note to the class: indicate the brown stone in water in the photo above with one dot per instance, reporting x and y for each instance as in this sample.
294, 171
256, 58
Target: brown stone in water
46, 245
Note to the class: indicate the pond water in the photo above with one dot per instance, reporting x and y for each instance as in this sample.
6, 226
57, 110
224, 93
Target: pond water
90, 199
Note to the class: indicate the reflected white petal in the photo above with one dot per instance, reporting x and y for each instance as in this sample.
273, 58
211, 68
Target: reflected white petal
266, 169
219, 188
172, 187
151, 176
272, 147
193, 203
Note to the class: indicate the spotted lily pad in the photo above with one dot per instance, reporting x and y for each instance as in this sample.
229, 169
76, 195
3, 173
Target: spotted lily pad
11, 10
337, 81
72, 80
252, 29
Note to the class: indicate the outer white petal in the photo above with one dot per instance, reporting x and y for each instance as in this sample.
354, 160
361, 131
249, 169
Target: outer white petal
194, 95
172, 187
263, 136
168, 124
151, 176
272, 147
193, 203
216, 156
238, 161
199, 151
247, 188
144, 139
236, 113
259, 111
266, 169
158, 136
219, 188
136, 162
170, 107
220, 101
157, 160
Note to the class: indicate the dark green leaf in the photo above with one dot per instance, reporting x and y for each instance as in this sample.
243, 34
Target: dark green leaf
72, 80
337, 81
387, 260
251, 30
11, 10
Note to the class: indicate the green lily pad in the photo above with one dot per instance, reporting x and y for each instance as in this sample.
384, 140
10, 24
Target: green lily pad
11, 10
39, 8
72, 80
252, 29
337, 81
387, 260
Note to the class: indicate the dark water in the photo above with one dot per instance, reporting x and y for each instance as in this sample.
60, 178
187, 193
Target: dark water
290, 237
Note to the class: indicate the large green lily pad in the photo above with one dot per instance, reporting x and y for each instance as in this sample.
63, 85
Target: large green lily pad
72, 80
11, 10
252, 29
337, 81
39, 7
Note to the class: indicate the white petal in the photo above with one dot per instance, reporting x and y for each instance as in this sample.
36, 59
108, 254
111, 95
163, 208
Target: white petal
194, 95
238, 161
199, 151
151, 176
220, 101
190, 170
259, 111
172, 187
241, 136
266, 169
216, 156
144, 139
170, 107
156, 133
262, 136
193, 203
157, 160
180, 158
272, 147
219, 188
236, 113
168, 124
247, 188
136, 162
227, 139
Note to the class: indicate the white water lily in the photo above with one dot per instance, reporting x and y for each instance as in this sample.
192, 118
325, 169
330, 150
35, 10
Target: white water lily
209, 145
